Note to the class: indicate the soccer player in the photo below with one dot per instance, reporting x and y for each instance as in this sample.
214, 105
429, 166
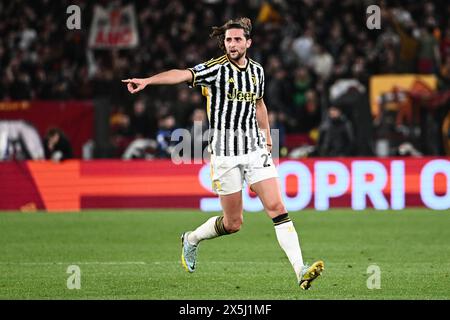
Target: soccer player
239, 143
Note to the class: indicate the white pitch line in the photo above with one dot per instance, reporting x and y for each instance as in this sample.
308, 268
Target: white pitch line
29, 263
226, 262
75, 263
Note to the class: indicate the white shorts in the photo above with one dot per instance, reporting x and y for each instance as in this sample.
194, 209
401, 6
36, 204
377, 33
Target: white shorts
229, 172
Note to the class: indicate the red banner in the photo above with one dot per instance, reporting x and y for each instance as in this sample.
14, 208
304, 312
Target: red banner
114, 28
75, 118
395, 183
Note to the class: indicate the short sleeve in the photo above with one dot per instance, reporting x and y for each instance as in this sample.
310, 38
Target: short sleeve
261, 86
204, 74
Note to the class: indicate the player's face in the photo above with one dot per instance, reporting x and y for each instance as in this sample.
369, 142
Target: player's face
236, 44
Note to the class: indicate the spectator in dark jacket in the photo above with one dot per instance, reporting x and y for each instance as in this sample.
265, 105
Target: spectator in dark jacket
57, 146
336, 135
163, 136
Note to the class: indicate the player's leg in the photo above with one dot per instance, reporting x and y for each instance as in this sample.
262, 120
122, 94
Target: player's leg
269, 192
227, 182
229, 222
262, 177
232, 212
217, 226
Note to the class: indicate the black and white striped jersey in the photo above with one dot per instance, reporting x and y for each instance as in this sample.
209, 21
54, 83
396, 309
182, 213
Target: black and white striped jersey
231, 92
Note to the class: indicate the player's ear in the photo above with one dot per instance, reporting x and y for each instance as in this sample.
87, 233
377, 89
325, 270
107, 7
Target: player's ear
249, 43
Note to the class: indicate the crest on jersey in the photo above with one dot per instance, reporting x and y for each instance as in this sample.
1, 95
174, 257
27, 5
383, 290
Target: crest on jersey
217, 186
199, 67
254, 80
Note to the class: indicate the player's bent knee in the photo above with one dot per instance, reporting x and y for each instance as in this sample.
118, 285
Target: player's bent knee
234, 225
276, 208
234, 229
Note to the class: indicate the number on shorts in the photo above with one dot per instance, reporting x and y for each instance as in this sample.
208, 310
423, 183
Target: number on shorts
266, 158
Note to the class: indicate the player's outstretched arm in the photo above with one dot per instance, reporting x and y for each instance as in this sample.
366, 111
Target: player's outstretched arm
173, 76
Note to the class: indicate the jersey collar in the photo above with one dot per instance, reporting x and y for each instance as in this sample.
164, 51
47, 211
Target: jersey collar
239, 68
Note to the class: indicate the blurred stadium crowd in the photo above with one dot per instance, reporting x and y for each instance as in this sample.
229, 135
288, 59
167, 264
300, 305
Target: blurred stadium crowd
318, 58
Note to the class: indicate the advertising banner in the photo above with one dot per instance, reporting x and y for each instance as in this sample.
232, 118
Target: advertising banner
74, 118
393, 183
114, 28
392, 91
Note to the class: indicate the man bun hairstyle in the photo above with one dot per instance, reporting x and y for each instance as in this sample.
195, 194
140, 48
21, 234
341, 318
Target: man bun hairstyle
239, 23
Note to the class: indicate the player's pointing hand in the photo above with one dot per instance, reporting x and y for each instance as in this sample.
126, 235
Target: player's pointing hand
135, 85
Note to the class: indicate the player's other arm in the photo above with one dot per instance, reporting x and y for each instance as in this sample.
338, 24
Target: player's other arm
263, 121
173, 76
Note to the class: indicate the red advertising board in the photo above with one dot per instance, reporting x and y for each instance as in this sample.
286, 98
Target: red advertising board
392, 183
75, 118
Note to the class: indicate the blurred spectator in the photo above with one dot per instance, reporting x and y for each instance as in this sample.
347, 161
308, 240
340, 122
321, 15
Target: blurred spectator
406, 29
388, 62
335, 135
395, 123
276, 123
302, 84
336, 41
277, 89
446, 133
57, 146
445, 73
386, 49
444, 46
187, 101
303, 47
428, 54
165, 145
197, 130
140, 144
120, 131
309, 114
120, 122
359, 71
140, 120
322, 62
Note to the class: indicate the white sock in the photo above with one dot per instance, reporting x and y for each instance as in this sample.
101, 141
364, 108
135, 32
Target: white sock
288, 240
208, 230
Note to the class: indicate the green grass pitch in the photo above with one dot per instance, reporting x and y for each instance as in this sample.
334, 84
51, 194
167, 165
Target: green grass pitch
136, 255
